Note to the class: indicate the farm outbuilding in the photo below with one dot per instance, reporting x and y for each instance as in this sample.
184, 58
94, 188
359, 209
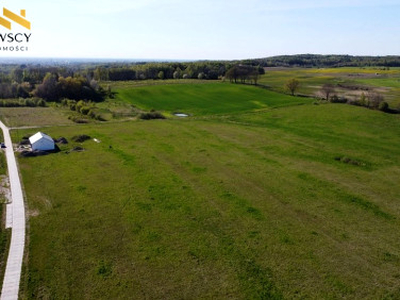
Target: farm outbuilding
41, 141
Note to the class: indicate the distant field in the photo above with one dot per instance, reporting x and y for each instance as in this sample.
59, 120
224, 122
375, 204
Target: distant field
386, 82
298, 201
137, 83
204, 99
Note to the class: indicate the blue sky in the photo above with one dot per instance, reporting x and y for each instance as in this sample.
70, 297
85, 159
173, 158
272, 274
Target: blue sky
193, 29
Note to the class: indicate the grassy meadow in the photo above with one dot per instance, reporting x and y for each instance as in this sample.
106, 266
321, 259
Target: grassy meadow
260, 198
33, 116
348, 82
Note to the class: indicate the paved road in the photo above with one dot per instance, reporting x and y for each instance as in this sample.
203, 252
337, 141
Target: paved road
14, 262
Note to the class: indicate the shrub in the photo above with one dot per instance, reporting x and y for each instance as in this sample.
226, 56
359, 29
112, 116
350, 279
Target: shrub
383, 106
336, 99
151, 116
70, 103
79, 105
80, 138
29, 103
39, 102
375, 99
92, 114
99, 117
85, 110
81, 121
42, 103
355, 102
363, 100
78, 120
3, 164
33, 102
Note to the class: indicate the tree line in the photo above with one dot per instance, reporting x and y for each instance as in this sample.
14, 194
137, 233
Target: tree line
55, 88
82, 82
194, 70
244, 74
325, 61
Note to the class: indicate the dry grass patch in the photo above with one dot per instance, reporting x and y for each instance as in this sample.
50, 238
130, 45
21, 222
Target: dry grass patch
34, 116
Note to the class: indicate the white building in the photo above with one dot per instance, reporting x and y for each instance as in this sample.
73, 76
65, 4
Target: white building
41, 141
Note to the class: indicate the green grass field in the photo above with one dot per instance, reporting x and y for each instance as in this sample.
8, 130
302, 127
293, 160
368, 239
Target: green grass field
5, 234
5, 237
260, 198
205, 99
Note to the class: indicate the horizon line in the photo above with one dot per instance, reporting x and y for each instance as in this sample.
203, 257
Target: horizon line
178, 60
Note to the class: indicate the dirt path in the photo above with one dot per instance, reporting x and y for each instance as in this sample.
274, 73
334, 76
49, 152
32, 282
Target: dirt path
14, 262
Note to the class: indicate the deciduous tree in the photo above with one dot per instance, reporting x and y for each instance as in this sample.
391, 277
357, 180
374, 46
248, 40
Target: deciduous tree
243, 73
292, 85
327, 90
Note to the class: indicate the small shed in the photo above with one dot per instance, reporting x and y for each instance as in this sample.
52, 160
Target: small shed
41, 141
